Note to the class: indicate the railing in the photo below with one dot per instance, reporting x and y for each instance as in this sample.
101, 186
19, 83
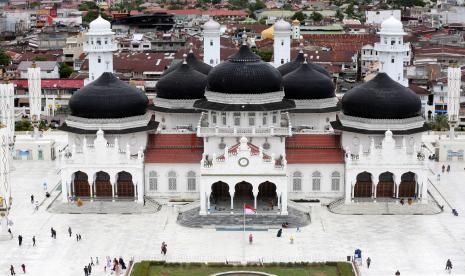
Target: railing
238, 131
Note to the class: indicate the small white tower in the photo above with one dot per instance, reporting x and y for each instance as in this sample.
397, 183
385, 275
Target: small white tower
211, 42
454, 76
99, 45
295, 29
282, 42
7, 111
35, 92
392, 50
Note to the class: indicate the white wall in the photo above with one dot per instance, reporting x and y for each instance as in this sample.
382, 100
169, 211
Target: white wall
172, 120
351, 140
317, 121
135, 140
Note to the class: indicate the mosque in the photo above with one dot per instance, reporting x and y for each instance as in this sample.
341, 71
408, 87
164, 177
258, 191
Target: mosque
244, 130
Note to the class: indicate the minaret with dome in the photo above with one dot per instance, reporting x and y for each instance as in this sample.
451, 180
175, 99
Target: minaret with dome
282, 42
392, 50
211, 42
99, 45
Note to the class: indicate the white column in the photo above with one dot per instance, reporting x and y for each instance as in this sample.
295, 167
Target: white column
92, 189
375, 191
203, 200
208, 202
279, 199
140, 188
348, 188
231, 195
284, 197
113, 184
64, 187
116, 188
397, 189
424, 189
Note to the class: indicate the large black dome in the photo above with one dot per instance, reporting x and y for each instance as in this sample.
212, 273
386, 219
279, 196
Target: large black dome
307, 83
108, 97
286, 68
381, 98
244, 73
193, 61
182, 83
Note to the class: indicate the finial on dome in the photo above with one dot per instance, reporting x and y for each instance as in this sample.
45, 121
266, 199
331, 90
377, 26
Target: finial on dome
184, 59
305, 58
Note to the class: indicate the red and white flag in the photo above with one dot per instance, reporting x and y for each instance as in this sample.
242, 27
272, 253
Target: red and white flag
249, 210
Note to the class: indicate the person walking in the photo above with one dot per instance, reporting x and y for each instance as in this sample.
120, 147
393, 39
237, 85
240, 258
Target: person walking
23, 267
86, 271
96, 260
12, 270
250, 238
89, 268
91, 261
79, 235
368, 262
448, 265
32, 199
397, 273
33, 240
448, 168
280, 231
51, 231
70, 232
163, 248
20, 240
443, 168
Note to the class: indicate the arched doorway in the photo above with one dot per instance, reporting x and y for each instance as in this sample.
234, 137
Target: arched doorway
385, 187
363, 186
102, 185
220, 196
125, 185
243, 194
267, 197
408, 184
81, 184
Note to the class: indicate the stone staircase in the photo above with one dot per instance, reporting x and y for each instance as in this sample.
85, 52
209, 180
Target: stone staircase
384, 208
191, 218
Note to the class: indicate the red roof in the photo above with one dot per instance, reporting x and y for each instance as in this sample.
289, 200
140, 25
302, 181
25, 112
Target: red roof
174, 148
211, 12
53, 83
314, 149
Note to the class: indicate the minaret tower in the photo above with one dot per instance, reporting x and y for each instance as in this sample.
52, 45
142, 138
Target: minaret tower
392, 50
282, 43
7, 112
211, 42
35, 87
5, 194
454, 75
99, 46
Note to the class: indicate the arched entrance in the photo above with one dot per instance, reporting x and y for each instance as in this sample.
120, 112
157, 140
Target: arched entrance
243, 194
385, 187
363, 186
220, 196
102, 185
267, 197
81, 184
407, 187
125, 186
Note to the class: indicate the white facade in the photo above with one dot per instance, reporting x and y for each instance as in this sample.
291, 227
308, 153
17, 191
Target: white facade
377, 17
99, 45
35, 92
392, 50
282, 43
454, 81
211, 42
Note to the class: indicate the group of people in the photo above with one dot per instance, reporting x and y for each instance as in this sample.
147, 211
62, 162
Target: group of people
12, 269
444, 168
115, 266
164, 248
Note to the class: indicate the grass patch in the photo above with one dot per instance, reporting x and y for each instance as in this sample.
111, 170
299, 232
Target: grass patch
149, 268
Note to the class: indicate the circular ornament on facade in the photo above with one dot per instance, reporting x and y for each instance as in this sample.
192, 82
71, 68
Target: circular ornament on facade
243, 162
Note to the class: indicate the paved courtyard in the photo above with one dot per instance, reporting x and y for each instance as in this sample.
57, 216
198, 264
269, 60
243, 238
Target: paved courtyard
414, 244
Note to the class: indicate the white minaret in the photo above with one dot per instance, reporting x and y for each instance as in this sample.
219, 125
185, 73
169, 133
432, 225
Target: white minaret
99, 45
392, 50
35, 100
454, 75
282, 43
211, 42
7, 112
295, 29
4, 183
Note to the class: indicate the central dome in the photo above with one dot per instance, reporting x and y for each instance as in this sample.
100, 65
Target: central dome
182, 83
381, 98
306, 83
106, 98
244, 73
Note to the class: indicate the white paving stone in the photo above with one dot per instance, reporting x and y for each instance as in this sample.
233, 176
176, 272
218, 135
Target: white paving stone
416, 245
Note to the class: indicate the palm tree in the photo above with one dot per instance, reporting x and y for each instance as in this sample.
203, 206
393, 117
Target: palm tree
441, 122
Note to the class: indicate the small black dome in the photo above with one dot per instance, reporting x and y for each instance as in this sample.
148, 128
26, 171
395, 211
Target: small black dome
182, 83
381, 98
306, 83
193, 61
244, 73
292, 65
108, 97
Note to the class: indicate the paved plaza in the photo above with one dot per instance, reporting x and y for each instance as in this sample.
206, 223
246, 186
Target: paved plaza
413, 244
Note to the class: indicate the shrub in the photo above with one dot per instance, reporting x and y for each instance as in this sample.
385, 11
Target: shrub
344, 269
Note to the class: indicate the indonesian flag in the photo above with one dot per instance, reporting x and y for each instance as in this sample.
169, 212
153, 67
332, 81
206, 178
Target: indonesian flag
249, 210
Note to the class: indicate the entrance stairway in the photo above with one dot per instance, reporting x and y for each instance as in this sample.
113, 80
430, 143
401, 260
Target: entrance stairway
191, 218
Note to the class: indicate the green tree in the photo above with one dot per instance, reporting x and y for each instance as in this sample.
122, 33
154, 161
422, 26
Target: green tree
258, 5
65, 70
86, 6
339, 14
264, 55
316, 16
23, 125
4, 58
299, 16
350, 10
440, 122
